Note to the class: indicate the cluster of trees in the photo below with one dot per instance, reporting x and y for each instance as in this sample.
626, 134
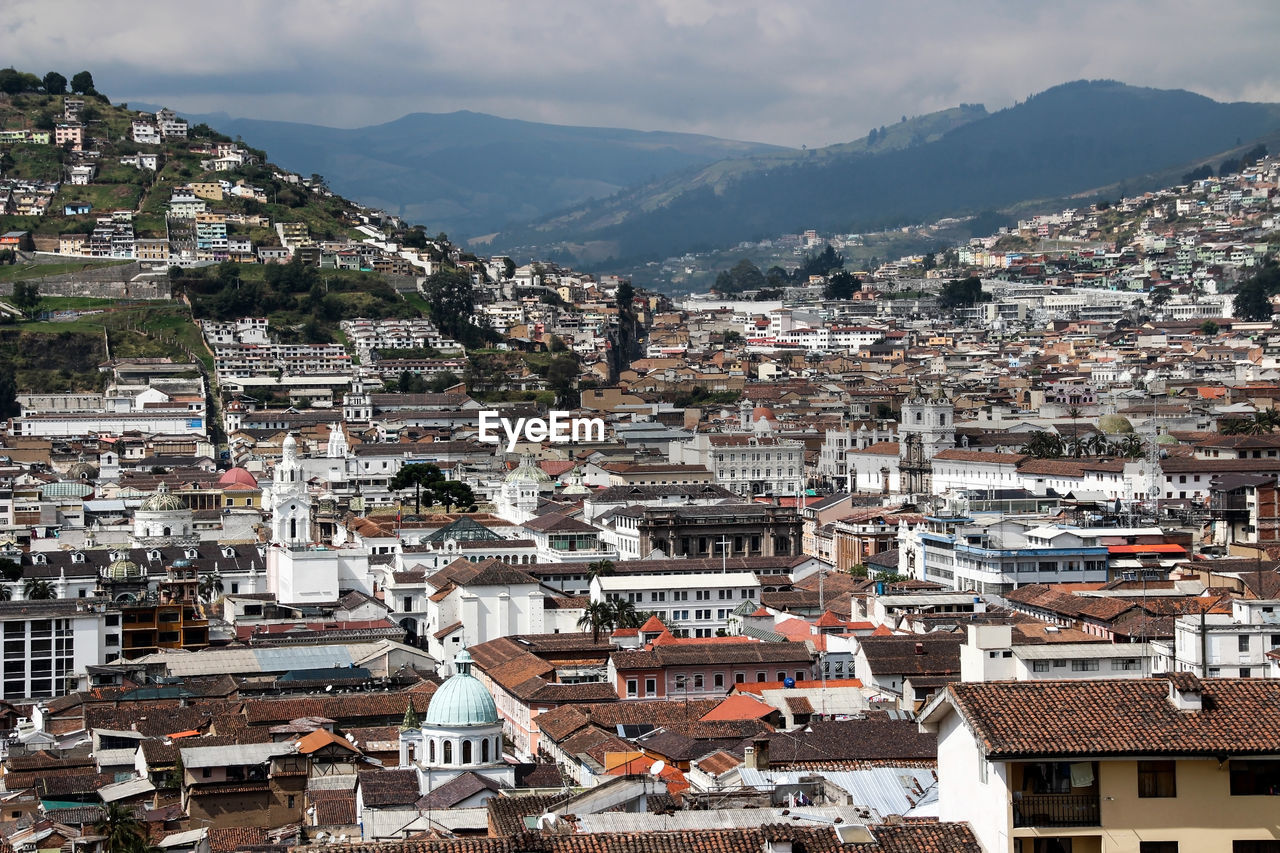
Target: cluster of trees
746, 276
415, 383
1263, 422
429, 482
962, 293
600, 616
219, 293
26, 297
14, 82
1048, 445
451, 299
1253, 296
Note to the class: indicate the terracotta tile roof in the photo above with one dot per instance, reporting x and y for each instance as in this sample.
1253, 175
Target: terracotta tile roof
346, 709
871, 739
696, 654
739, 706
897, 655
456, 790
225, 839
383, 788
509, 813
1113, 716
719, 762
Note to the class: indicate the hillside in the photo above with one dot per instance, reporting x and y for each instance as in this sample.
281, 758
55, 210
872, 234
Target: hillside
468, 173
116, 186
1064, 141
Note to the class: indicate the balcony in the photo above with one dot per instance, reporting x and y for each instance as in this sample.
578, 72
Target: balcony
1056, 810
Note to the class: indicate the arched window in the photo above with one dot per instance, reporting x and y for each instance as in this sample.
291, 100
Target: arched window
293, 528
431, 751
448, 752
466, 752
484, 751
166, 532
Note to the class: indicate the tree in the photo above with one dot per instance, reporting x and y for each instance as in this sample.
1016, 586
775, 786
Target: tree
9, 407
6, 592
210, 586
449, 293
1160, 296
82, 84
417, 474
600, 568
957, 294
410, 383
26, 297
1253, 296
561, 376
123, 831
1208, 328
1044, 445
743, 275
10, 570
821, 264
930, 262
626, 295
596, 616
38, 589
842, 285
54, 83
508, 268
441, 381
623, 614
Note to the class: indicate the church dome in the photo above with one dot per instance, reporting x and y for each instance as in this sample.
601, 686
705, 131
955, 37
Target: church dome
163, 501
528, 472
122, 569
462, 701
237, 477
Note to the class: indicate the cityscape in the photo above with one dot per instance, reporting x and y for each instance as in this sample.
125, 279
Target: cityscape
466, 484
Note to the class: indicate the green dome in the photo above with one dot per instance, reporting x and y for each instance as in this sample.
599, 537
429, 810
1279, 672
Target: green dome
1115, 424
462, 701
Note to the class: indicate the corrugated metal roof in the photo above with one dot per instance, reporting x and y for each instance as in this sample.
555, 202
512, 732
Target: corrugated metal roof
233, 755
1075, 651
710, 819
127, 788
885, 790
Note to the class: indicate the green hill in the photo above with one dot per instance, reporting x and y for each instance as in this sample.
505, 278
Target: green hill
1064, 141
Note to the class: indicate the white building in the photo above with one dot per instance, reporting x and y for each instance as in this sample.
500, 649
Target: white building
1237, 645
699, 603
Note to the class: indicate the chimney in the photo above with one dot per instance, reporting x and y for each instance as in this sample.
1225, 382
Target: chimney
749, 758
1185, 691
761, 745
919, 648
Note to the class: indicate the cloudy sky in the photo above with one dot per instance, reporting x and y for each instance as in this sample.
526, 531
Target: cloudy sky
792, 73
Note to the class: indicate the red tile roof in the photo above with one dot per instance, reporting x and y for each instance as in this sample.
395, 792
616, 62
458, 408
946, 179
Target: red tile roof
1120, 717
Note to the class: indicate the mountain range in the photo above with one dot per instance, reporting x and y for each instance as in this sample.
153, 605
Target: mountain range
605, 196
470, 174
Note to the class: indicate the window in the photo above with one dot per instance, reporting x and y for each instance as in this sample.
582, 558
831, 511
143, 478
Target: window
292, 800
1242, 642
1084, 666
1255, 847
718, 679
632, 686
1157, 779
1040, 666
1251, 777
762, 675
448, 752
739, 678
651, 687
1157, 847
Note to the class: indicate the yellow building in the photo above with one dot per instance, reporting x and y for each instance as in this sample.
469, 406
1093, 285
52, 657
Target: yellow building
211, 190
1152, 765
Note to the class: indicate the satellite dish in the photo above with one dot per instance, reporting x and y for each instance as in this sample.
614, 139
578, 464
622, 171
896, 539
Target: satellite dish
658, 767
328, 688
547, 820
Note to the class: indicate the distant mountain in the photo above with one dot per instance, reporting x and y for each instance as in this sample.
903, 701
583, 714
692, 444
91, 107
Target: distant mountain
468, 173
1067, 140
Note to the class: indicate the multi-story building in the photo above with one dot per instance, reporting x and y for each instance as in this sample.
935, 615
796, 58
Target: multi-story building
746, 463
1114, 766
48, 645
692, 670
1235, 645
697, 604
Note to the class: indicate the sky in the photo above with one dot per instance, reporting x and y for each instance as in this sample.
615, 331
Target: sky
789, 73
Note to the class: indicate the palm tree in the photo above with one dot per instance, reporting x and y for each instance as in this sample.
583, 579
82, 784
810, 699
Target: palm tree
1132, 446
623, 614
599, 569
6, 592
37, 589
1098, 445
1043, 445
596, 616
210, 586
123, 832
